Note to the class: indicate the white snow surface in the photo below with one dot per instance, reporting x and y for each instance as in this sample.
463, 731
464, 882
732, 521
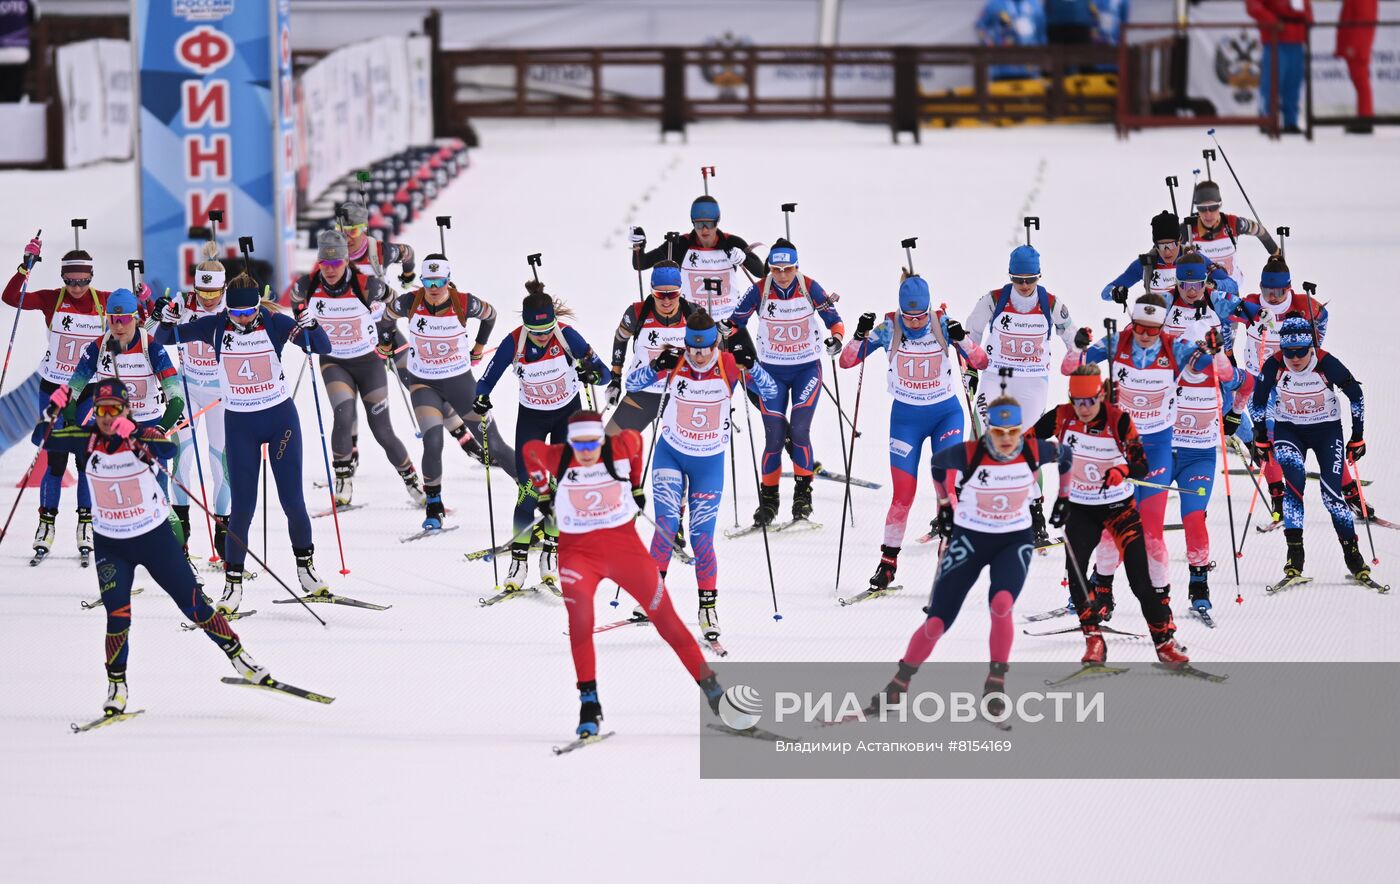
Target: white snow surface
434, 762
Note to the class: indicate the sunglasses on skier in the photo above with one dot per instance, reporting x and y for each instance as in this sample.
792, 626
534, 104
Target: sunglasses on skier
1024, 280
435, 282
1083, 402
1295, 352
586, 444
109, 410
705, 225
1191, 284
121, 318
331, 264
1150, 331
1212, 207
666, 294
77, 280
1004, 432
242, 312
355, 228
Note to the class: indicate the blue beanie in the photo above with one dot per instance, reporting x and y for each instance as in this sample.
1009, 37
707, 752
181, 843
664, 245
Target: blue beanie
109, 389
1008, 414
1296, 333
705, 208
1025, 261
665, 276
121, 302
539, 317
242, 298
1191, 271
782, 255
1275, 279
914, 297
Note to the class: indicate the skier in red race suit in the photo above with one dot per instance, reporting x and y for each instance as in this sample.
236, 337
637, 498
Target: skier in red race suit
594, 498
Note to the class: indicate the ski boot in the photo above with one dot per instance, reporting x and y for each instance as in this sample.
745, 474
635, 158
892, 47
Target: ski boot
410, 484
84, 534
220, 536
884, 572
1199, 587
182, 514
1041, 535
768, 503
894, 690
549, 562
1360, 509
519, 566
590, 711
1095, 651
116, 694
679, 540
709, 615
713, 690
1171, 653
435, 510
354, 462
306, 573
801, 497
1294, 566
247, 667
1101, 596
44, 534
942, 525
344, 482
1356, 563
995, 684
233, 591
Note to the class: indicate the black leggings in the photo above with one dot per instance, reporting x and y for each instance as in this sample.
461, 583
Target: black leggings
1087, 524
532, 424
432, 401
363, 375
636, 411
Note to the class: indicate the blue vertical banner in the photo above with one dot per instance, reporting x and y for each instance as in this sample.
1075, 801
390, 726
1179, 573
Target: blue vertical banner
211, 80
286, 149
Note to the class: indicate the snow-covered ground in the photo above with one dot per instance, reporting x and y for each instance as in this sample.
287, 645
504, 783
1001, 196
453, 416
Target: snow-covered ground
434, 762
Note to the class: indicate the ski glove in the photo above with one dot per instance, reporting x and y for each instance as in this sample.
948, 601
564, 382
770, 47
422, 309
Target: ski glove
32, 250
666, 360
172, 312
833, 345
1262, 449
589, 375
638, 237
1232, 423
955, 331
614, 392
545, 505
945, 520
1356, 449
58, 399
1083, 338
306, 320
864, 326
1059, 513
482, 404
741, 347
1115, 475
1119, 294
123, 427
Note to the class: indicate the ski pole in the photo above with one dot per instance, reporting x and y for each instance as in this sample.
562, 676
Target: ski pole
1229, 501
841, 433
326, 457
296, 388
262, 471
962, 371
758, 486
656, 421
1366, 521
231, 534
788, 209
24, 483
1171, 190
194, 443
909, 245
403, 391
846, 500
733, 469
1226, 157
706, 173
78, 223
29, 261
1206, 155
490, 501
1200, 492
1028, 222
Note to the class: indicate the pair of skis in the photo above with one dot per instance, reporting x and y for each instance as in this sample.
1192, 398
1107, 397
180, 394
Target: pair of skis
270, 684
520, 592
753, 733
792, 526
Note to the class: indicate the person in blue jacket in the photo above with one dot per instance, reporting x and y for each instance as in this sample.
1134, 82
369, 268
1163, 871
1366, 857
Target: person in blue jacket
248, 339
1012, 23
552, 362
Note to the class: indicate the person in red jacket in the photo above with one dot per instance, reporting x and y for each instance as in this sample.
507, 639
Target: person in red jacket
595, 497
1283, 24
1354, 47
